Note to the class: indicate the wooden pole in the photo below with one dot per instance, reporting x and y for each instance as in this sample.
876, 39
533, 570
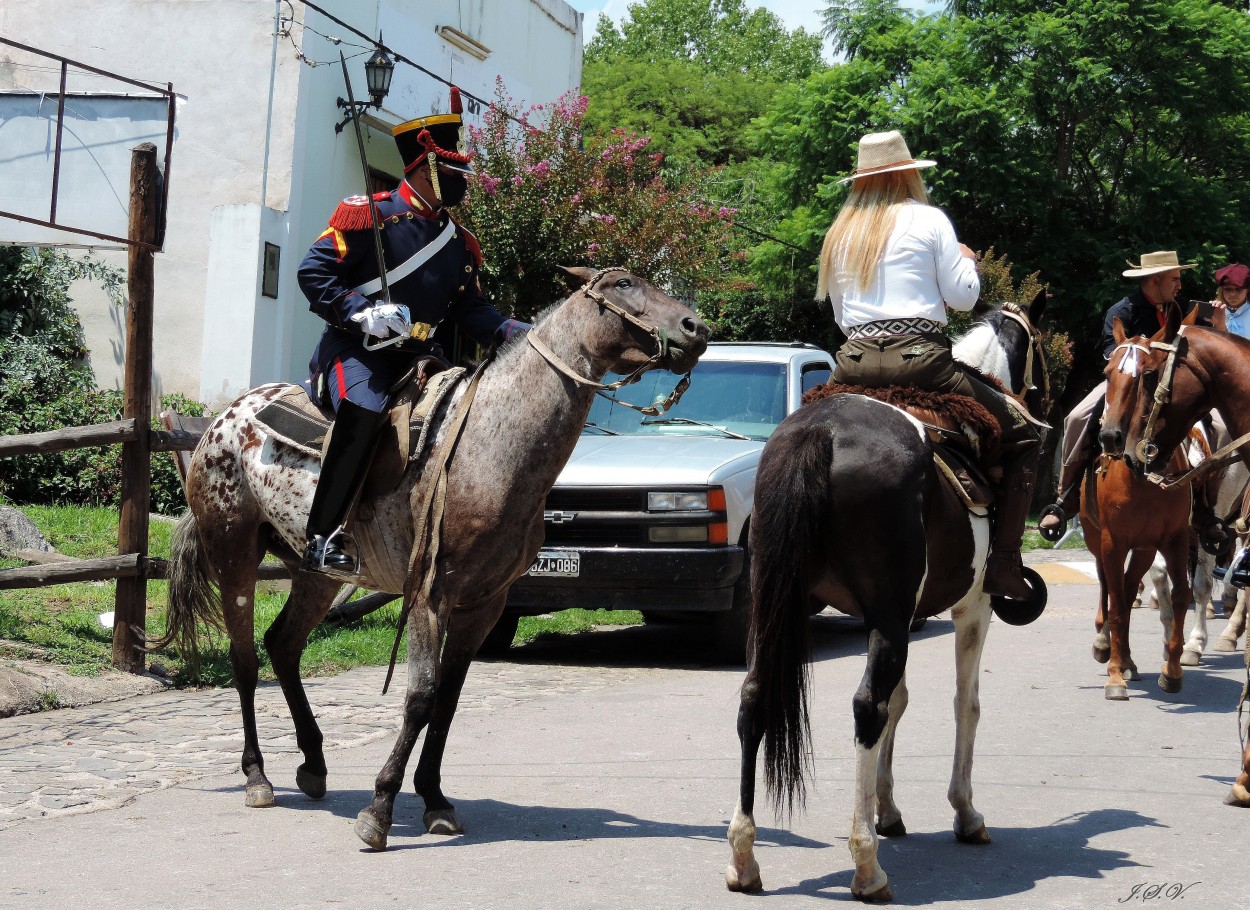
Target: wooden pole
100, 434
130, 612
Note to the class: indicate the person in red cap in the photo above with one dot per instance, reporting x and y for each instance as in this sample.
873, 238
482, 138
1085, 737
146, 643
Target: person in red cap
1231, 313
432, 272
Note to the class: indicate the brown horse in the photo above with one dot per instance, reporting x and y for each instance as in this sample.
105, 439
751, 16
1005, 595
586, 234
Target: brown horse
1181, 375
1125, 517
250, 494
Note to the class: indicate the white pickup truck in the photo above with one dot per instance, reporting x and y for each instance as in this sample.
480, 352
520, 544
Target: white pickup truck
651, 513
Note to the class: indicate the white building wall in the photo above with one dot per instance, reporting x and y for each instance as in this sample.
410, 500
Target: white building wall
221, 58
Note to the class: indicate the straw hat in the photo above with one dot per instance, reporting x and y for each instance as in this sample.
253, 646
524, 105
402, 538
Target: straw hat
880, 153
1154, 263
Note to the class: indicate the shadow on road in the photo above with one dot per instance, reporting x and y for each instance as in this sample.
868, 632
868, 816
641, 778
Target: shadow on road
929, 867
489, 821
685, 645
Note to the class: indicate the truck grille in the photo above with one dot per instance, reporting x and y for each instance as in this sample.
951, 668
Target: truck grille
609, 517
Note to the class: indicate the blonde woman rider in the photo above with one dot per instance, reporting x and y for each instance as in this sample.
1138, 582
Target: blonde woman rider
891, 265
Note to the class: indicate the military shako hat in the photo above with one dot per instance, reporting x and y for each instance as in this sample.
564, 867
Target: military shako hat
442, 134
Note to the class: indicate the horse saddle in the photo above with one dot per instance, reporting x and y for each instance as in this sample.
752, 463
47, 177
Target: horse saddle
294, 419
964, 435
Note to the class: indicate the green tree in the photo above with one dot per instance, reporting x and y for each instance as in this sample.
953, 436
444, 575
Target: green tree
46, 384
720, 35
1070, 135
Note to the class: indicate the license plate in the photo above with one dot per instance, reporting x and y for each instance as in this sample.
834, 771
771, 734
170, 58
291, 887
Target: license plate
556, 563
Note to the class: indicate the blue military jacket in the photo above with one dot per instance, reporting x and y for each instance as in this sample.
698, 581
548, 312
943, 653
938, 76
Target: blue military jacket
432, 265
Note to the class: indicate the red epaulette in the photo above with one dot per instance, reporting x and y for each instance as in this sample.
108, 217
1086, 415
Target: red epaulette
354, 213
470, 244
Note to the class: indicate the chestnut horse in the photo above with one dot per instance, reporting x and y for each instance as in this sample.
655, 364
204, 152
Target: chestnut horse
851, 511
1182, 374
250, 493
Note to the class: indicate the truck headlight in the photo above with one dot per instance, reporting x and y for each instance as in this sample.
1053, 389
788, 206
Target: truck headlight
677, 502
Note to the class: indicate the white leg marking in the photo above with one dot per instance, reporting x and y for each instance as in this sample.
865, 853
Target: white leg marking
869, 876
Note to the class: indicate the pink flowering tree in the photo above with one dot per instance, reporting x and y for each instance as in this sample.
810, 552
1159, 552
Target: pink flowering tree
545, 194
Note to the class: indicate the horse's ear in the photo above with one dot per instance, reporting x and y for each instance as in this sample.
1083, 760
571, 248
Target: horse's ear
1038, 307
1173, 323
1117, 331
576, 275
1191, 318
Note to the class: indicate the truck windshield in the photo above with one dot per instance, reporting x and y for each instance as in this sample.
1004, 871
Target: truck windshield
742, 399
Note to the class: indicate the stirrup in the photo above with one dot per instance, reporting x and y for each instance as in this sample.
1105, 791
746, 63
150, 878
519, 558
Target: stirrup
1211, 544
319, 548
1053, 535
1238, 572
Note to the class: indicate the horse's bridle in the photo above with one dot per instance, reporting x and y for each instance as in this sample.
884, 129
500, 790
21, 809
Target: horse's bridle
661, 341
1016, 314
1147, 449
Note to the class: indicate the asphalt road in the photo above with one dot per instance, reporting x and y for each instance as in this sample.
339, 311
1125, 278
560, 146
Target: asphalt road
601, 771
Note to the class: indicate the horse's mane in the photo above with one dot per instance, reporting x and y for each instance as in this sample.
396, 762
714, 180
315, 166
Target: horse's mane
510, 349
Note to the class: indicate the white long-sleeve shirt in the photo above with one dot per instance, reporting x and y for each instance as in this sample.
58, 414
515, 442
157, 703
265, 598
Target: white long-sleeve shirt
920, 274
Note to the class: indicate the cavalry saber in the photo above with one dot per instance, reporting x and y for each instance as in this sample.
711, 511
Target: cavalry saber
373, 208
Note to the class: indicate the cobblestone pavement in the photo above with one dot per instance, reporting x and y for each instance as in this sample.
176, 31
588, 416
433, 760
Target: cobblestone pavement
102, 756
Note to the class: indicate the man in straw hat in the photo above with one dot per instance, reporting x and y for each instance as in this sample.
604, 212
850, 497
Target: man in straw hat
1143, 312
432, 268
891, 265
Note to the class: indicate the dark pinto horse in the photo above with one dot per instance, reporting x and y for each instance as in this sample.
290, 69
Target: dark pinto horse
850, 510
1182, 374
250, 494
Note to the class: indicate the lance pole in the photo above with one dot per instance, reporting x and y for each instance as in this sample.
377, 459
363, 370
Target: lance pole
364, 163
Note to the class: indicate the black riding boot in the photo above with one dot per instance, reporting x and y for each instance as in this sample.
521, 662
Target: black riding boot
342, 472
1003, 569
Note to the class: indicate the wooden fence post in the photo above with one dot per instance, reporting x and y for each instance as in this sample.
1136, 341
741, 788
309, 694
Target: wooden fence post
130, 611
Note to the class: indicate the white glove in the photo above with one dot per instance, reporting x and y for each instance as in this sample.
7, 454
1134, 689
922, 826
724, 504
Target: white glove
385, 319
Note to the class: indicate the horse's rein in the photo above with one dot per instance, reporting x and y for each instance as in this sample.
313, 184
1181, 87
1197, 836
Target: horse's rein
1146, 449
1016, 314
661, 341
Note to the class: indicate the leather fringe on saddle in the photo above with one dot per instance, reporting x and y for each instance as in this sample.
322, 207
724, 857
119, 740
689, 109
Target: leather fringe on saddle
432, 494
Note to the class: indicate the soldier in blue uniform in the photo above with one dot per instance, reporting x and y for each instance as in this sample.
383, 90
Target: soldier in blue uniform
432, 267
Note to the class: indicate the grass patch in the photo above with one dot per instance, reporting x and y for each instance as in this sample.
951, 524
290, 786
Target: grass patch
570, 622
61, 623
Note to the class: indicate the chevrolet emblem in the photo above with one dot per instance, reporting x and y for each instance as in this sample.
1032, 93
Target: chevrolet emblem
558, 517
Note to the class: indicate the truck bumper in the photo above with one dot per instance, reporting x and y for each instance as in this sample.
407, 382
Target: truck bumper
622, 578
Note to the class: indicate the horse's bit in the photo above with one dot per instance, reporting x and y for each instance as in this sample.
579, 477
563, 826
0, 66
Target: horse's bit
661, 340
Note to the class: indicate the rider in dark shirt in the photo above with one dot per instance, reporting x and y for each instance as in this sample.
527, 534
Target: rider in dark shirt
432, 269
1143, 312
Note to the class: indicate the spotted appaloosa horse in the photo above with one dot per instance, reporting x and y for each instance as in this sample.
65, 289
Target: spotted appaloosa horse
250, 494
1182, 374
850, 510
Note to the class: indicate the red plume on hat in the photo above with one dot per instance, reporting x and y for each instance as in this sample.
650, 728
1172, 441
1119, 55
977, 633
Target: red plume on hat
456, 106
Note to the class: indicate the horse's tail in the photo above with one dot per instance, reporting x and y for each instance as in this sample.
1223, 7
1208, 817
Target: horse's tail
791, 521
193, 595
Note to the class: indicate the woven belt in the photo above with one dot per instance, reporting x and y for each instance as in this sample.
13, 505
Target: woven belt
894, 327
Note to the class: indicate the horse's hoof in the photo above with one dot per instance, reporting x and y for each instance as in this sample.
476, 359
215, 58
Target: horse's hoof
1191, 658
369, 830
895, 829
747, 881
1115, 692
1102, 655
980, 836
259, 796
1170, 683
313, 785
1224, 646
879, 895
442, 821
1238, 796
